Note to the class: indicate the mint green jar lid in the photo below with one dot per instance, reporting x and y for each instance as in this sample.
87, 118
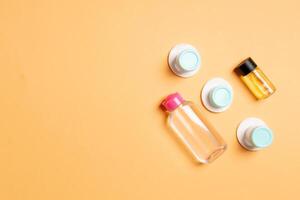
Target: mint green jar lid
188, 60
220, 96
253, 134
261, 137
217, 95
184, 60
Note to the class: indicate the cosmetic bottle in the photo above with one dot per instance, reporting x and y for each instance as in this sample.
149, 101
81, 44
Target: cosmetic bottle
254, 78
193, 129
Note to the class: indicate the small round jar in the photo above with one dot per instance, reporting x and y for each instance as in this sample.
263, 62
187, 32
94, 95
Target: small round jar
184, 60
217, 95
253, 134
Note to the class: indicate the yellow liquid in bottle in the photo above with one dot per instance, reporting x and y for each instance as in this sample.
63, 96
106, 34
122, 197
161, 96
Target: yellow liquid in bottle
260, 86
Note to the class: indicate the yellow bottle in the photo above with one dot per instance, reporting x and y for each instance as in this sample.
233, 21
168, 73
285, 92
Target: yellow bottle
254, 78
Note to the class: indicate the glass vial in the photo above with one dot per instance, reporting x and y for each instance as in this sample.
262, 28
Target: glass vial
254, 78
191, 127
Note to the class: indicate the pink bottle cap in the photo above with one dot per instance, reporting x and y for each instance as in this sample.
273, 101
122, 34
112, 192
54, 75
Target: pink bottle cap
172, 101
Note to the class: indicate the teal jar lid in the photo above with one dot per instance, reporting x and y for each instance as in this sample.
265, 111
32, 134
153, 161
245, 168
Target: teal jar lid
188, 60
217, 95
220, 97
184, 60
253, 134
261, 137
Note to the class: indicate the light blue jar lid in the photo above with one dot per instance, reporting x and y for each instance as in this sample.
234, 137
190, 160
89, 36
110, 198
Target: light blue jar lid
188, 60
184, 60
261, 137
220, 97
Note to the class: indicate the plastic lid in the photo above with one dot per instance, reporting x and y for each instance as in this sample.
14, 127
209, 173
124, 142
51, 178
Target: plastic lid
184, 60
220, 97
172, 101
188, 60
245, 67
261, 137
217, 95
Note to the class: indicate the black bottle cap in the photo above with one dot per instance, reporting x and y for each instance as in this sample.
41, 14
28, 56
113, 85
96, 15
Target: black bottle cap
245, 67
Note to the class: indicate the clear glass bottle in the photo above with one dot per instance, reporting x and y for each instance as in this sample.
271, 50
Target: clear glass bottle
198, 135
254, 78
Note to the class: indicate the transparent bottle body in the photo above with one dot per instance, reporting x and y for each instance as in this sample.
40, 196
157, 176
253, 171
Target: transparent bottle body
259, 84
197, 134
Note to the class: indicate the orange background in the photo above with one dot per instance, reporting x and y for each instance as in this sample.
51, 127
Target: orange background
81, 82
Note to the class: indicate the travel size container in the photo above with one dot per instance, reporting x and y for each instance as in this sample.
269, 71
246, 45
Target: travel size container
254, 78
253, 134
198, 135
